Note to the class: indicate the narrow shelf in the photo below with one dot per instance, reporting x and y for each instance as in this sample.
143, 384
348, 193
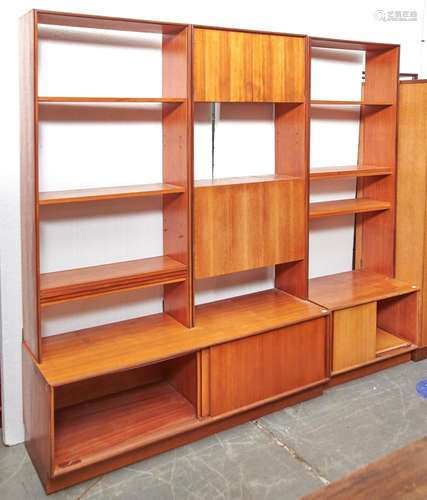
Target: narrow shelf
108, 193
348, 171
91, 431
319, 102
344, 207
387, 342
73, 284
137, 342
52, 99
242, 180
342, 290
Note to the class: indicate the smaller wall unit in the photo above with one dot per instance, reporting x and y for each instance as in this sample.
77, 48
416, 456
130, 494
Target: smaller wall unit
411, 195
263, 220
367, 329
374, 318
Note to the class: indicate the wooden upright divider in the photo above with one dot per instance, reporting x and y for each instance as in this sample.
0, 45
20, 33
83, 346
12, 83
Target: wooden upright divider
101, 398
411, 247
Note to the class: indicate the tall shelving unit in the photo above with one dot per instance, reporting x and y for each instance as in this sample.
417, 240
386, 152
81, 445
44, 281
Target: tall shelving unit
373, 315
106, 396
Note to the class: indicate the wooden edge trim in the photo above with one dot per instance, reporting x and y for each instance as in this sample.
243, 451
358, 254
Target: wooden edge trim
362, 371
387, 355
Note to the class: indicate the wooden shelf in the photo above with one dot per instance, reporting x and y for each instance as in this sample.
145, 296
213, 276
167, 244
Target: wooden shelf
339, 291
320, 102
344, 207
106, 23
254, 179
387, 342
348, 171
332, 43
108, 193
92, 431
49, 99
73, 284
137, 342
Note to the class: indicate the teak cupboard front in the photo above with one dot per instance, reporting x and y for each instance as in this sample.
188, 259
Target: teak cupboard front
106, 396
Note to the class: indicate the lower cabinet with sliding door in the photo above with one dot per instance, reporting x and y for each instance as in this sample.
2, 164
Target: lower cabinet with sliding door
264, 367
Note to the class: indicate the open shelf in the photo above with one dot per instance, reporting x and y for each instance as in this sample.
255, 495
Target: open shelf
242, 180
49, 99
344, 207
332, 43
342, 290
348, 171
386, 342
106, 23
320, 102
73, 284
94, 430
119, 346
108, 193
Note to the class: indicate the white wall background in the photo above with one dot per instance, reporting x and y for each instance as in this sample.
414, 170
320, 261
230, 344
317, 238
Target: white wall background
80, 148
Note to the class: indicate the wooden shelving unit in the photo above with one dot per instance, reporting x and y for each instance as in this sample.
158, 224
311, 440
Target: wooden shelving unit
103, 397
373, 316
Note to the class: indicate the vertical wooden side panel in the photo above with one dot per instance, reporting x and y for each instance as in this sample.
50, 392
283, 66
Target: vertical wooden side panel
398, 316
204, 383
291, 132
29, 184
411, 249
292, 139
354, 336
177, 169
380, 148
182, 374
38, 417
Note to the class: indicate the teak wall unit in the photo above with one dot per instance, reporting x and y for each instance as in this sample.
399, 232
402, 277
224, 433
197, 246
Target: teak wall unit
100, 398
411, 246
373, 316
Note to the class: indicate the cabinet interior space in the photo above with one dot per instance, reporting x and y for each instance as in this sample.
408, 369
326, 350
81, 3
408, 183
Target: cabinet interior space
107, 415
102, 397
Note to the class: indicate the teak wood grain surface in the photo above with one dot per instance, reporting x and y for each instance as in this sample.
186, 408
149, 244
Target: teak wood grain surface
135, 342
250, 370
348, 171
343, 207
61, 286
236, 226
236, 66
126, 417
411, 248
338, 291
399, 475
107, 193
354, 336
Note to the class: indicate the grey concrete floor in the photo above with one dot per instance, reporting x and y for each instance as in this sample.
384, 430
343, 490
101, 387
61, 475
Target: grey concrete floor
281, 456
